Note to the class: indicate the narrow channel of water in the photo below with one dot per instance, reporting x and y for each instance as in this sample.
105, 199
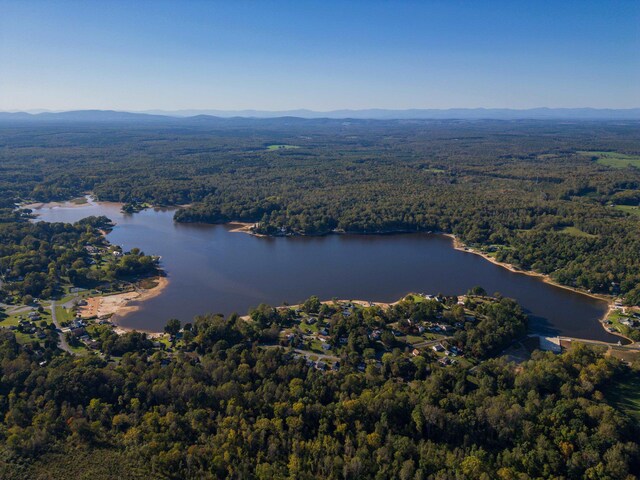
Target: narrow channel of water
211, 269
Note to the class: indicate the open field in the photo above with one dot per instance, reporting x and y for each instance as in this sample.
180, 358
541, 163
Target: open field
282, 147
614, 159
629, 209
576, 232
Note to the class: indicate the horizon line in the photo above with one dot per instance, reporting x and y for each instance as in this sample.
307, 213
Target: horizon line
36, 111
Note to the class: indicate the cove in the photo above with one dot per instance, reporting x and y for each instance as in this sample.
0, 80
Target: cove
214, 270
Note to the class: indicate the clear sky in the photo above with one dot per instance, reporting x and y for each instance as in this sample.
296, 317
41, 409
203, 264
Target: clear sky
321, 55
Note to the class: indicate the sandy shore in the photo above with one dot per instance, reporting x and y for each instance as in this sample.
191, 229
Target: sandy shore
243, 227
119, 304
75, 203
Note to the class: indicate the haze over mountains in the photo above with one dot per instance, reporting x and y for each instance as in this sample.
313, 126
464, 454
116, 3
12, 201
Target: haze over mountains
368, 114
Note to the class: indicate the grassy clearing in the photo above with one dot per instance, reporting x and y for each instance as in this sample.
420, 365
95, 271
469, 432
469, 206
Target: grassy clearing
414, 338
576, 232
629, 209
9, 320
614, 159
625, 395
415, 298
79, 349
281, 147
63, 314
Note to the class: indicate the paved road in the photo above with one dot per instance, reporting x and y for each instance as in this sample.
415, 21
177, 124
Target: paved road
62, 341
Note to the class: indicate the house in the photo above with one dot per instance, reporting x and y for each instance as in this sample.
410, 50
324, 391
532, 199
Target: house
91, 250
326, 346
438, 348
78, 323
78, 332
415, 352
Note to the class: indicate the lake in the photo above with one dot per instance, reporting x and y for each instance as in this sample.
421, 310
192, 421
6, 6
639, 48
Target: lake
211, 269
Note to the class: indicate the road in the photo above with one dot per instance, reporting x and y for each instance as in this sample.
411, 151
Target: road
62, 343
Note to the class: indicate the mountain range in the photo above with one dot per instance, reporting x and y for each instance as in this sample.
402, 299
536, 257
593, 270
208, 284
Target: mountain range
368, 114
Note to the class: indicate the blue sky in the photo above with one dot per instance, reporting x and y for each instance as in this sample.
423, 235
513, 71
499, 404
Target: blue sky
321, 55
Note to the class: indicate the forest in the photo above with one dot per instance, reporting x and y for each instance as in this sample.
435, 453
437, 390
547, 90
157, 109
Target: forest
527, 191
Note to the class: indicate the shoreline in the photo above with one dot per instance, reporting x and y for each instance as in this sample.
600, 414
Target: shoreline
460, 246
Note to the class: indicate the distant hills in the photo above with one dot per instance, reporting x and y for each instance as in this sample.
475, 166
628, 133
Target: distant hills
162, 116
453, 113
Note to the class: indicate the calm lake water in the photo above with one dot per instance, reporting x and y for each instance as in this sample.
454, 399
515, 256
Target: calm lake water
211, 269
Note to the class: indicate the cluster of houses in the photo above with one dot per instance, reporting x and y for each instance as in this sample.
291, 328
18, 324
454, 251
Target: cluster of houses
28, 326
628, 318
321, 336
92, 250
448, 351
77, 329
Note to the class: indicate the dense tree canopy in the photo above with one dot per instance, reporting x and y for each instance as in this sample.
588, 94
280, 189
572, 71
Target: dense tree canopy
232, 409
